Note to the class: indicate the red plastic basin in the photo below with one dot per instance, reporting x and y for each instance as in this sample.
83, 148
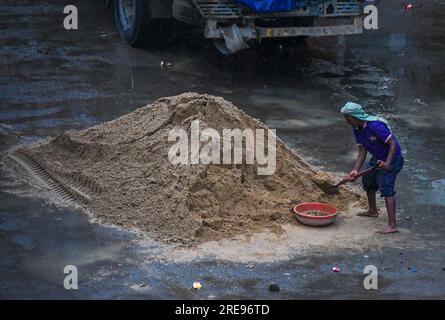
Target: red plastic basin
315, 221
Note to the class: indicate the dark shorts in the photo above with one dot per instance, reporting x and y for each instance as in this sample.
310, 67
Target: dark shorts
382, 180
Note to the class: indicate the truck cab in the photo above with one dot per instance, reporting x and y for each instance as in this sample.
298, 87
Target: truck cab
235, 24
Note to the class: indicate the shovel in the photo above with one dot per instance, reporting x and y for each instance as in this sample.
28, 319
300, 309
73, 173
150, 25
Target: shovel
328, 186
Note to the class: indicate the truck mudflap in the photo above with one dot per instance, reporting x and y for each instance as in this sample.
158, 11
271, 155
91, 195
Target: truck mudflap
232, 38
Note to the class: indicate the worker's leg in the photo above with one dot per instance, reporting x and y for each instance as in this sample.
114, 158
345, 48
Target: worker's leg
386, 181
372, 204
391, 208
370, 186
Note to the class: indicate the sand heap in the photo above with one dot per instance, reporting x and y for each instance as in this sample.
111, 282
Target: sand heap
122, 169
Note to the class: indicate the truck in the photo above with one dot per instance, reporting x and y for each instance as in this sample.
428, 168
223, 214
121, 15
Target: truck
234, 25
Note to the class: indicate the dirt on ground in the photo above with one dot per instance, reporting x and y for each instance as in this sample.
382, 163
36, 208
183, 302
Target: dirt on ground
122, 172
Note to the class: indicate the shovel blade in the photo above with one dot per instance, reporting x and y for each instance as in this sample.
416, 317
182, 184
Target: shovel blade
325, 183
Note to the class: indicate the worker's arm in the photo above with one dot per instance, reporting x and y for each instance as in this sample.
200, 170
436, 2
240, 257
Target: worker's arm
359, 162
392, 150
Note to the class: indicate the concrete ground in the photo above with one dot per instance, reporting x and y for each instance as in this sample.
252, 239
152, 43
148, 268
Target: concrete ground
52, 80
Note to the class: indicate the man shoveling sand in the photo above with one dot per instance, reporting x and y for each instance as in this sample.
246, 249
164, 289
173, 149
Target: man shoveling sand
373, 134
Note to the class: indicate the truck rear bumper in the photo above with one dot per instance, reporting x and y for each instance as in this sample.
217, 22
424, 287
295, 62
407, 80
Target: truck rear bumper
251, 32
316, 31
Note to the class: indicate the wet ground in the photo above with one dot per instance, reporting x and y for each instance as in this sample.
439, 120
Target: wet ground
52, 80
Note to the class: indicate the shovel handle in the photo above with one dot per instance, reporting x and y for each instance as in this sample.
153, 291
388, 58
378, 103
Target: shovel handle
367, 171
364, 172
360, 174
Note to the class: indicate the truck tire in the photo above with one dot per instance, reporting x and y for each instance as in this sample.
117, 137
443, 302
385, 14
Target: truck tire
134, 21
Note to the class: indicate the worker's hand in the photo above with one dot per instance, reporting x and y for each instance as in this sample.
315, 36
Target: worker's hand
384, 165
351, 175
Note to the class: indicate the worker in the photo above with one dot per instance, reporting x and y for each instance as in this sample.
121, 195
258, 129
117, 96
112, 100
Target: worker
373, 134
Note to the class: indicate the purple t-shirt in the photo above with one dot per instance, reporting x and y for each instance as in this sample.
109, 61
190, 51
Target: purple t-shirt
374, 137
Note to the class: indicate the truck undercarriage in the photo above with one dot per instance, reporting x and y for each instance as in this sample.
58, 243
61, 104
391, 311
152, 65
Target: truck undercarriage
233, 26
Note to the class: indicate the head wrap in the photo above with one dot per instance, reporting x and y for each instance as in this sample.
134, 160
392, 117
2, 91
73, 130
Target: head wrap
355, 110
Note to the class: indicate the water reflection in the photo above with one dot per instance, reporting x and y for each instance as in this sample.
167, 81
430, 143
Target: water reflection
397, 42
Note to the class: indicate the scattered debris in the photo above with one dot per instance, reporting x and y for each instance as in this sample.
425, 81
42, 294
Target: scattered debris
420, 102
407, 6
273, 287
336, 268
140, 287
165, 64
197, 285
412, 269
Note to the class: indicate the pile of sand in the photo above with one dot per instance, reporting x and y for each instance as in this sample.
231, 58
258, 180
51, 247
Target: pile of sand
121, 170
